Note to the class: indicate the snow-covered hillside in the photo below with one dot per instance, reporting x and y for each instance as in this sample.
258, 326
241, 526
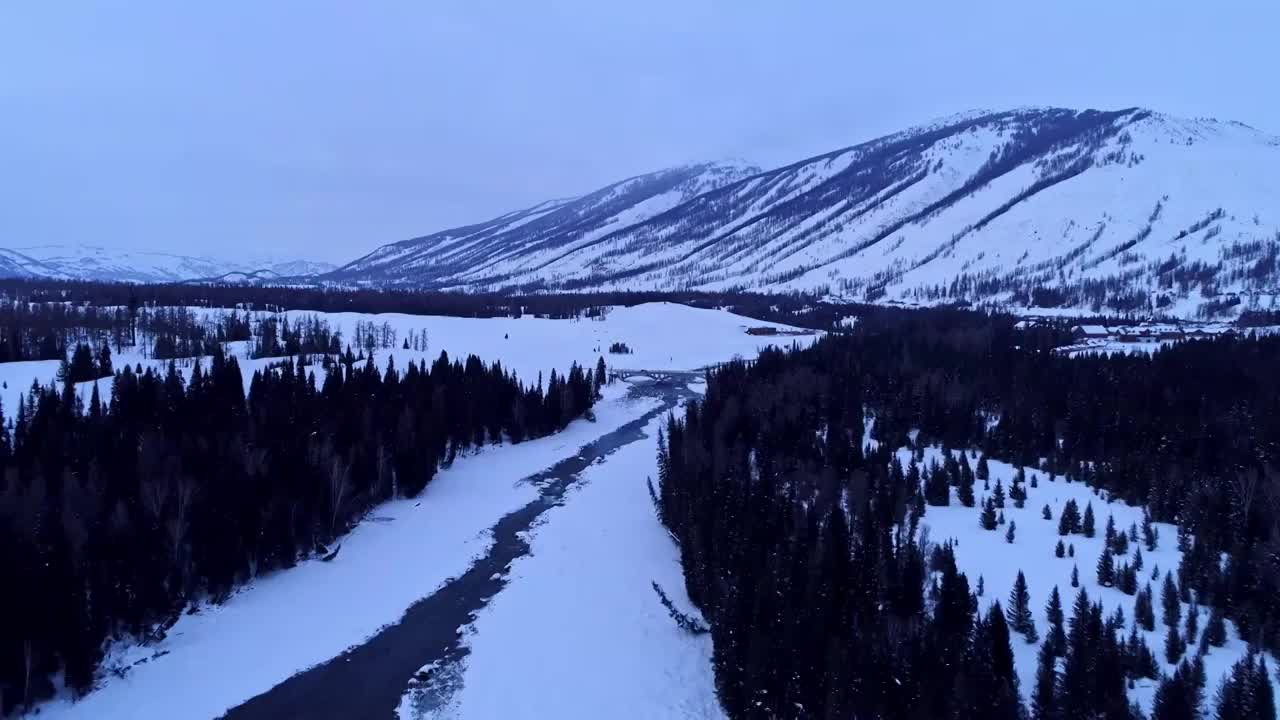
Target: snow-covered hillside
93, 262
528, 246
1124, 210
991, 556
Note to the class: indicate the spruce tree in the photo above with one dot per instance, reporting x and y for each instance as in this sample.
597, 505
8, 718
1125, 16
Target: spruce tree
1150, 535
1009, 534
1143, 610
1056, 638
1019, 612
1044, 700
1137, 559
987, 520
1046, 513
964, 490
1059, 550
1106, 568
1192, 627
1173, 645
936, 490
1215, 630
1086, 525
982, 472
1075, 576
1067, 518
997, 495
1169, 601
1173, 699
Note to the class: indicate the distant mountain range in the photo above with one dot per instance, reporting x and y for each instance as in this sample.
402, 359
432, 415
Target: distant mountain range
1119, 211
1129, 210
90, 262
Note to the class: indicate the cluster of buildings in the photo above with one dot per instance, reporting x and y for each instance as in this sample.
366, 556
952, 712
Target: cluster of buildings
1149, 332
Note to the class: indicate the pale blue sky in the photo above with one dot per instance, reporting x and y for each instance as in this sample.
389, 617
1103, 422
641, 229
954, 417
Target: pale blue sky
321, 129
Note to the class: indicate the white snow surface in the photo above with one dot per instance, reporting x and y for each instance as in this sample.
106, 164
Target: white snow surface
579, 631
985, 554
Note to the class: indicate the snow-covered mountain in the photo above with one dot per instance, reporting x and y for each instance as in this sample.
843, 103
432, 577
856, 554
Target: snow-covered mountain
92, 262
1123, 210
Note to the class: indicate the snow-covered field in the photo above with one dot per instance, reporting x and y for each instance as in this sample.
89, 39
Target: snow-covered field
579, 631
661, 336
288, 621
986, 554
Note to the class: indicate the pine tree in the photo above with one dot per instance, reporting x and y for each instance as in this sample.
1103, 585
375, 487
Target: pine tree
982, 472
1143, 610
987, 520
1086, 526
1106, 568
964, 490
1059, 550
1215, 630
1173, 699
936, 490
1127, 579
1192, 627
1150, 535
1169, 600
1044, 700
1009, 534
1071, 549
1000, 518
1057, 637
1137, 559
1019, 612
1046, 513
997, 495
1110, 533
1069, 518
1173, 645
1075, 576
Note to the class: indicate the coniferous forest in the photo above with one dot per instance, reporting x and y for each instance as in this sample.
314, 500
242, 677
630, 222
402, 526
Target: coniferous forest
119, 514
803, 546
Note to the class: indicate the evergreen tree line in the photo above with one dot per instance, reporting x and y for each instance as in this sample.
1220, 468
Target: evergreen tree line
44, 330
801, 545
118, 515
800, 309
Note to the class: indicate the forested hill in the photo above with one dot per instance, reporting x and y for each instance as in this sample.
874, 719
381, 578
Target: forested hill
1121, 211
119, 514
803, 538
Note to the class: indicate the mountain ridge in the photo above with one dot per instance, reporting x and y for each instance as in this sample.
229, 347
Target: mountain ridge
96, 262
1078, 208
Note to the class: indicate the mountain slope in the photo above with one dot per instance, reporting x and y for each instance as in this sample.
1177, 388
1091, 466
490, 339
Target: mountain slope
92, 262
1128, 210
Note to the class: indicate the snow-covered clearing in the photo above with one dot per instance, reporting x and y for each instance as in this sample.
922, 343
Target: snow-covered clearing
986, 554
288, 621
593, 559
661, 336
579, 631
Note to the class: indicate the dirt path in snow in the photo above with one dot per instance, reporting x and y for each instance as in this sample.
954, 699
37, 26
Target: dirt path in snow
367, 681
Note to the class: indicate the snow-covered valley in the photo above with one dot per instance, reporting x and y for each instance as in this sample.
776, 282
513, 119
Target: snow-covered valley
406, 553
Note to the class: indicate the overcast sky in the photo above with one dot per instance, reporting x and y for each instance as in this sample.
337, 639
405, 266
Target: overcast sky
322, 129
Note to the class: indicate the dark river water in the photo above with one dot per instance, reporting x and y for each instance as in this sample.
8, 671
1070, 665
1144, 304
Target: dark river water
367, 681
